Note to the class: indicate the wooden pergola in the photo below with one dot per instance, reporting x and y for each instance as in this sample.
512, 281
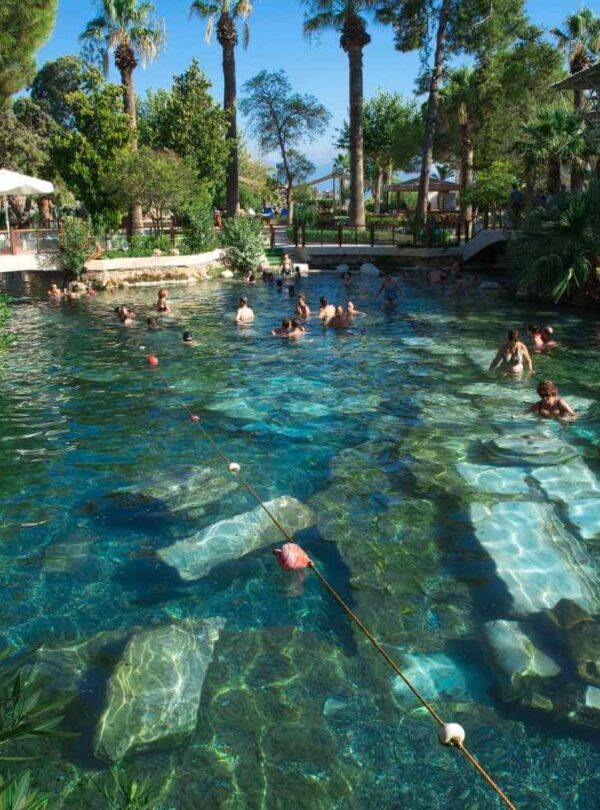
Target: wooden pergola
587, 82
412, 184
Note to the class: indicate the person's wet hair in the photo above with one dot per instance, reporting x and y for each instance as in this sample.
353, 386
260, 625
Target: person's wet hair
151, 321
295, 324
286, 323
243, 300
547, 389
323, 301
292, 290
187, 337
513, 335
534, 329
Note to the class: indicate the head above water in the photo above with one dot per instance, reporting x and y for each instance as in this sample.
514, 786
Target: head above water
151, 321
323, 301
513, 335
187, 337
534, 329
286, 323
295, 324
162, 293
547, 389
243, 301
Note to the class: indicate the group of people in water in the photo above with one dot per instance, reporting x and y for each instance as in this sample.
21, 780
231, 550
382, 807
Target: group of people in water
70, 292
513, 358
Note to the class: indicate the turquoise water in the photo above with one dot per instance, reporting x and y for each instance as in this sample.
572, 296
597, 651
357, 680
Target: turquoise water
383, 433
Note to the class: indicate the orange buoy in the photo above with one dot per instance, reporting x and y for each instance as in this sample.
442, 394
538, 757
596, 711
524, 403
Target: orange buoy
291, 557
152, 360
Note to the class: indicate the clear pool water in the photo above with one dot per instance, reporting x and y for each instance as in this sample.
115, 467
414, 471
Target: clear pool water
369, 429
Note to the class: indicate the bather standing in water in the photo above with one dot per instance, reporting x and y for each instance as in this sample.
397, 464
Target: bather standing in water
284, 329
296, 330
302, 308
391, 290
512, 355
244, 315
326, 311
551, 406
341, 320
162, 305
54, 292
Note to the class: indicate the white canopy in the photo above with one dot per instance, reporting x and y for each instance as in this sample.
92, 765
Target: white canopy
15, 183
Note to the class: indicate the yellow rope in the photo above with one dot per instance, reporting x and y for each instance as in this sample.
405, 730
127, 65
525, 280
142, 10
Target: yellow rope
354, 618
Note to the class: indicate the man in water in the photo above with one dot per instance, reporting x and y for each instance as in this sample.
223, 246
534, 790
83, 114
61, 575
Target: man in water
54, 293
244, 314
286, 265
187, 339
326, 310
284, 329
551, 406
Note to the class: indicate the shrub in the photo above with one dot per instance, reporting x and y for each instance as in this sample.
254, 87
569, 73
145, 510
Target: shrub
198, 230
5, 338
76, 242
245, 243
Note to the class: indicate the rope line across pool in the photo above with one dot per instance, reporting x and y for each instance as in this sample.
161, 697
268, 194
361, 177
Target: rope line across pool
451, 734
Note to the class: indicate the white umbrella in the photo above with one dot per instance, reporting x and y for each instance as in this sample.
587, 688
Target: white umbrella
15, 183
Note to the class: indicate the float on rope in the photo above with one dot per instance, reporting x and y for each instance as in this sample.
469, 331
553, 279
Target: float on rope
292, 558
152, 360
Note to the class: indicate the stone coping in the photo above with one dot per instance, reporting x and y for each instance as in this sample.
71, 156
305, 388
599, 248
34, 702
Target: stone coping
154, 262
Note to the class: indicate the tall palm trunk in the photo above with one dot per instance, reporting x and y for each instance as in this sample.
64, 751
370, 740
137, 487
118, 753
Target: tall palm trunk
466, 169
433, 103
554, 175
379, 175
353, 40
227, 36
578, 101
126, 63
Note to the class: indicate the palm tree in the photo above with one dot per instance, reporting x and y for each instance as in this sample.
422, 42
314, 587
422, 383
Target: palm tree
346, 17
228, 13
581, 40
554, 138
341, 164
458, 98
128, 29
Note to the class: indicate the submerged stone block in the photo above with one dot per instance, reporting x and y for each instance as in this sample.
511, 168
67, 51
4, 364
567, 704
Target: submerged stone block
585, 515
534, 556
530, 448
438, 675
154, 693
514, 658
234, 537
567, 482
495, 480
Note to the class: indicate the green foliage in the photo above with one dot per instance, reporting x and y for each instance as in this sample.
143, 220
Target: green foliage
75, 244
140, 247
245, 243
89, 152
558, 251
553, 139
5, 338
187, 121
491, 188
55, 80
198, 229
24, 27
122, 791
24, 133
160, 182
16, 793
580, 38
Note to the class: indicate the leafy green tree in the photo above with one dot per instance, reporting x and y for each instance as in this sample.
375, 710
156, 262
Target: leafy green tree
553, 139
87, 153
341, 164
296, 169
187, 121
347, 17
490, 190
245, 243
228, 13
127, 28
558, 250
160, 182
281, 119
24, 27
55, 80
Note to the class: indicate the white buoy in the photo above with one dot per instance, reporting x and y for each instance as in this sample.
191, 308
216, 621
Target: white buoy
343, 268
451, 734
369, 269
234, 467
227, 274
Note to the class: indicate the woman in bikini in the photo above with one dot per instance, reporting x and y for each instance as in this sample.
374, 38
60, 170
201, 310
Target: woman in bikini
512, 355
551, 406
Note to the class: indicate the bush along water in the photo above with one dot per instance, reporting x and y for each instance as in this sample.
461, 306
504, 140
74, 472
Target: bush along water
244, 244
5, 337
75, 244
198, 230
558, 252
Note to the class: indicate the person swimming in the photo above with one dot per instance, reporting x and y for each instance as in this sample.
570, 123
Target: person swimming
347, 278
549, 342
302, 308
250, 278
162, 304
352, 311
152, 324
326, 310
284, 329
54, 292
551, 406
341, 319
187, 339
436, 276
125, 315
391, 290
536, 337
296, 330
512, 355
286, 265
245, 314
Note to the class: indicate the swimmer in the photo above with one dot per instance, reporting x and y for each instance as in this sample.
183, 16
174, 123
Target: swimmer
551, 405
244, 315
536, 338
284, 329
297, 273
291, 290
547, 332
54, 293
352, 311
347, 278
162, 305
187, 339
125, 315
250, 278
326, 310
296, 331
391, 290
152, 324
340, 320
436, 277
302, 308
286, 267
279, 285
512, 355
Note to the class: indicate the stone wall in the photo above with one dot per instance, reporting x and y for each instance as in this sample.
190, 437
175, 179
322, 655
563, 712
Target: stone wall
153, 269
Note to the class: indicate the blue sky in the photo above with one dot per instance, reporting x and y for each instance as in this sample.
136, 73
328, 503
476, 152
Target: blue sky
276, 41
